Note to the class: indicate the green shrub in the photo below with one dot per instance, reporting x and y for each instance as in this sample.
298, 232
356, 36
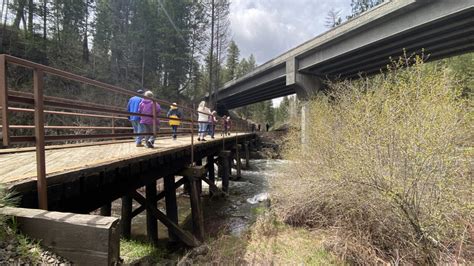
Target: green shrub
388, 162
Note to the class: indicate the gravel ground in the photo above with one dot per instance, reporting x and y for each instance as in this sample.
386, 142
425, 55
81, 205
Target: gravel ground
14, 253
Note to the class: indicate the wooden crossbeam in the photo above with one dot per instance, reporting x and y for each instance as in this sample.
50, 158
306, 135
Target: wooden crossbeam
184, 236
216, 191
159, 196
198, 170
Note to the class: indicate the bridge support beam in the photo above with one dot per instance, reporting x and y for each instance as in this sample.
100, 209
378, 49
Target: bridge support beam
151, 222
306, 87
126, 217
224, 166
238, 162
193, 175
171, 204
247, 155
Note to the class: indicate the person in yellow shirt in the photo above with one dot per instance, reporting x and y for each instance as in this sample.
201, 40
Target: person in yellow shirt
174, 116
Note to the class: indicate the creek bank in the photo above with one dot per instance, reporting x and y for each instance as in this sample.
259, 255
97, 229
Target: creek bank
269, 145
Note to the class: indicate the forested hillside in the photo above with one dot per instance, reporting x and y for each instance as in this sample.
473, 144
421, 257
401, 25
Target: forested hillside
178, 49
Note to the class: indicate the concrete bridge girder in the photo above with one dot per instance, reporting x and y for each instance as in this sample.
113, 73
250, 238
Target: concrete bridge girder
305, 85
361, 45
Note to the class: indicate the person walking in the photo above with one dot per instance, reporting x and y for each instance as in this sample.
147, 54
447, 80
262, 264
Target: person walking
213, 123
229, 123
203, 120
146, 108
174, 116
132, 107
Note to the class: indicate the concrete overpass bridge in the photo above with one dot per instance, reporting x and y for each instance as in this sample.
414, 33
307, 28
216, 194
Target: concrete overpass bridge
442, 28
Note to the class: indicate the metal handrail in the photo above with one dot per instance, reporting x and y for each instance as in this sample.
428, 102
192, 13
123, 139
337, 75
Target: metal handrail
41, 102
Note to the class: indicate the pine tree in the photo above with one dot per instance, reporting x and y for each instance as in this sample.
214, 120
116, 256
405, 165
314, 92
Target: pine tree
233, 54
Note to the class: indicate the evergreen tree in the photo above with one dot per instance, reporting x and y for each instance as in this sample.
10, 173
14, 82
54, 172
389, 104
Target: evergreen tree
360, 6
233, 54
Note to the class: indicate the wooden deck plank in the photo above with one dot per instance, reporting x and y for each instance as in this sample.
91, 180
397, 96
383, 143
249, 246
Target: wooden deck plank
16, 166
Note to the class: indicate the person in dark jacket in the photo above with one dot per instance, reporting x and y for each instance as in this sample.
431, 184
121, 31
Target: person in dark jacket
174, 116
132, 107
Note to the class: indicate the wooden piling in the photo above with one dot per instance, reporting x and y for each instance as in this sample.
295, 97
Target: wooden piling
224, 164
238, 164
126, 217
247, 155
210, 168
171, 204
199, 183
196, 208
151, 222
106, 210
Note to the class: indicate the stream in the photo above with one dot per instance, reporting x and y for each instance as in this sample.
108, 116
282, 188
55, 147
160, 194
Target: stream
231, 215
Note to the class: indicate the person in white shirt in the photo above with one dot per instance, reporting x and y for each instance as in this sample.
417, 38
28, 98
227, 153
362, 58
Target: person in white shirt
203, 120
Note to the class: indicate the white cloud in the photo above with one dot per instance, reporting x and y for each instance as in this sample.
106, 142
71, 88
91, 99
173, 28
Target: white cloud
268, 28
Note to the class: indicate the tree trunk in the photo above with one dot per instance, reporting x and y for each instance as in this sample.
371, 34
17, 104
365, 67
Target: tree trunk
45, 19
211, 52
31, 8
19, 13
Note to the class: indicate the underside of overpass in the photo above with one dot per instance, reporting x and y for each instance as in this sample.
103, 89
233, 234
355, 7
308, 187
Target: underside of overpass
364, 45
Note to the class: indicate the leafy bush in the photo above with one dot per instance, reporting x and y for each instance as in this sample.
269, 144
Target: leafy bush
388, 162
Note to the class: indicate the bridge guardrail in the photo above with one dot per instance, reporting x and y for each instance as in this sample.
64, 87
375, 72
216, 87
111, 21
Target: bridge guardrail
40, 104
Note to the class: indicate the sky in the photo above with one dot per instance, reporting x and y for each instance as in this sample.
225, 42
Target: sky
268, 28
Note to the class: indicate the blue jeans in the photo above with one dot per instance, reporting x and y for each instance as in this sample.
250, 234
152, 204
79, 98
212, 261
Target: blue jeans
175, 131
202, 129
137, 128
148, 129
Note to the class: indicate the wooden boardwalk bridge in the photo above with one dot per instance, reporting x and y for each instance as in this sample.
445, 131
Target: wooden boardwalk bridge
84, 166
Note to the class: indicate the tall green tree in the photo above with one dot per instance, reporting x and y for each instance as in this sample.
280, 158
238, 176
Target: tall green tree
232, 63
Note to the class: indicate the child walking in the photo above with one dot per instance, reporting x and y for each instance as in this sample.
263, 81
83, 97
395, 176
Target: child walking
174, 116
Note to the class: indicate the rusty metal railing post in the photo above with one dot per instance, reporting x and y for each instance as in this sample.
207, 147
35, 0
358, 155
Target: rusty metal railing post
39, 139
4, 101
113, 127
154, 119
192, 135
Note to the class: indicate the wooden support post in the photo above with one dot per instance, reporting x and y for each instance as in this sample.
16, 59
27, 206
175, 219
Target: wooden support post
4, 102
171, 204
199, 183
42, 185
238, 165
187, 238
247, 155
231, 162
126, 217
224, 164
106, 210
151, 222
196, 208
210, 168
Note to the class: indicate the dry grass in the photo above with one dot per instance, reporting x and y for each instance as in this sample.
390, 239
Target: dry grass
388, 166
269, 242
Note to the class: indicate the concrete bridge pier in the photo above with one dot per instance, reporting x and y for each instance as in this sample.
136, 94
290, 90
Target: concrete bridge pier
306, 87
